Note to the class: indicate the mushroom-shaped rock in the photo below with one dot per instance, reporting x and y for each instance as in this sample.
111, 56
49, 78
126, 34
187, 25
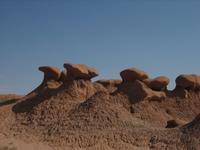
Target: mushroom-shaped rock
138, 90
109, 83
80, 71
188, 81
50, 73
158, 84
132, 74
143, 92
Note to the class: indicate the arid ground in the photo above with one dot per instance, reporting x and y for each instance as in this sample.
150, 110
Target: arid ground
70, 111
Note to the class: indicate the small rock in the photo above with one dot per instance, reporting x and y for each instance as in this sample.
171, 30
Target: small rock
172, 124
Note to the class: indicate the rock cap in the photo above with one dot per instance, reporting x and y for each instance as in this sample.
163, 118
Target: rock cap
132, 74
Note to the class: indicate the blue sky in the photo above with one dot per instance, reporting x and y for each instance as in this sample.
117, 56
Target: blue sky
160, 37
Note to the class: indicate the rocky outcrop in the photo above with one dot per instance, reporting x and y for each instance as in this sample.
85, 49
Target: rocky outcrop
132, 74
63, 76
51, 78
81, 89
50, 81
172, 124
180, 92
189, 82
193, 128
50, 73
134, 112
138, 91
136, 83
109, 83
158, 84
80, 71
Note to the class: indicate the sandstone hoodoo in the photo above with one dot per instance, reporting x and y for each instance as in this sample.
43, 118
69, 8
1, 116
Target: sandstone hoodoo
132, 74
158, 84
51, 78
50, 73
70, 111
80, 71
138, 91
191, 82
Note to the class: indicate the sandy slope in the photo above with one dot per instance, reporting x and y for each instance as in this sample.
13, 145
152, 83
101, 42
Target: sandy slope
85, 115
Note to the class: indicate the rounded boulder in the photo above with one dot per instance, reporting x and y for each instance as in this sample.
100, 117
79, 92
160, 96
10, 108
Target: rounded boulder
188, 81
132, 74
159, 83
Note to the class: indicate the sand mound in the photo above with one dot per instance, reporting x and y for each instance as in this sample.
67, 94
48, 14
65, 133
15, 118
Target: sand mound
6, 104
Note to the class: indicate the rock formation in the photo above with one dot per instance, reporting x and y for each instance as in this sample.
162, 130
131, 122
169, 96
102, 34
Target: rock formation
158, 84
138, 86
190, 82
109, 85
132, 74
80, 71
132, 113
138, 91
63, 76
50, 73
172, 124
193, 128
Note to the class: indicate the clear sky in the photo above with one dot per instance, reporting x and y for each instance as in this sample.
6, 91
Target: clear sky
161, 37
